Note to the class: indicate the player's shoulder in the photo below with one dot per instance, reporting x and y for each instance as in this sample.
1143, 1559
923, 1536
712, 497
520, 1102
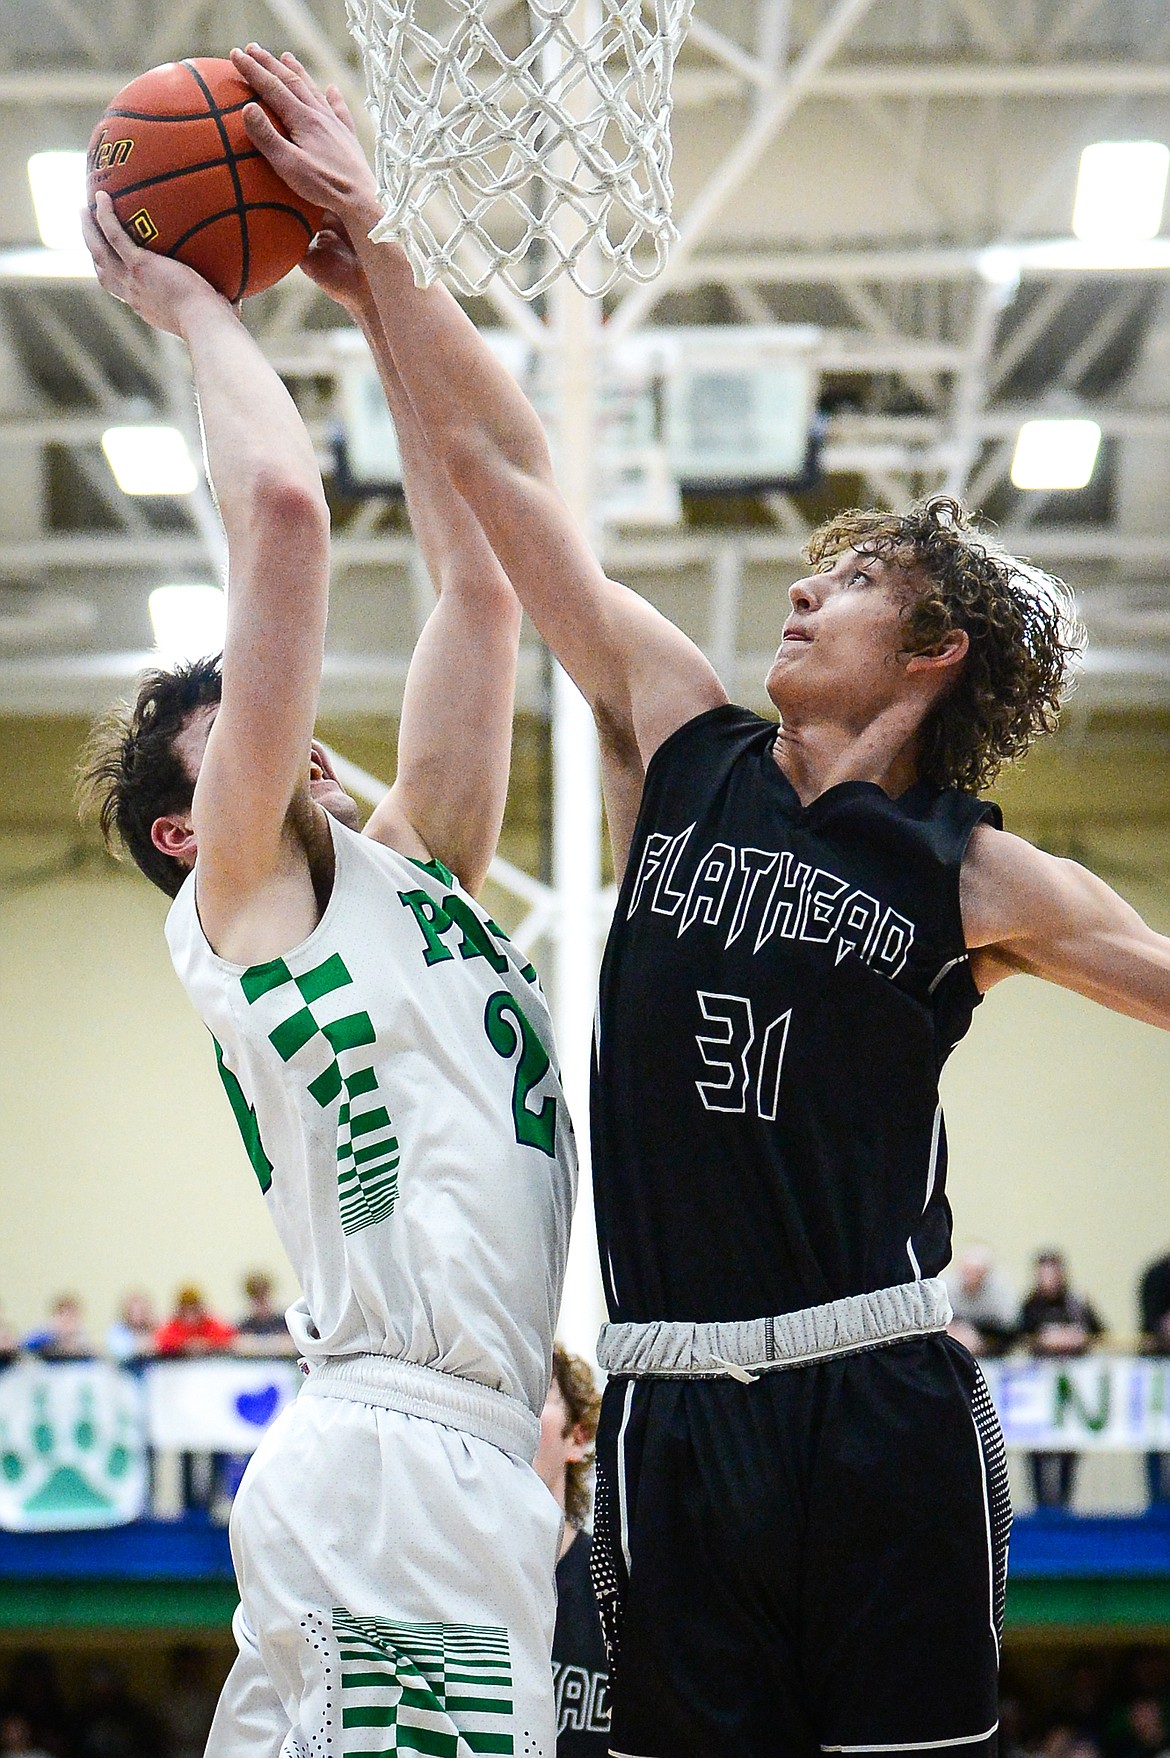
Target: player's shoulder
1010, 887
725, 728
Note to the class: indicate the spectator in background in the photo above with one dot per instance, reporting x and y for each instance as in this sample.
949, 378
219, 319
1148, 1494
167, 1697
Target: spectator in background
16, 1739
1140, 1723
34, 1698
568, 1428
262, 1330
983, 1302
65, 1337
1142, 1732
1085, 1698
188, 1704
112, 1723
191, 1329
1055, 1323
1154, 1324
9, 1343
131, 1336
1011, 1726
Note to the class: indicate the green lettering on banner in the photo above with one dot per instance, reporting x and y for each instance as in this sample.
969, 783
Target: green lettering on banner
1069, 1401
433, 921
246, 1122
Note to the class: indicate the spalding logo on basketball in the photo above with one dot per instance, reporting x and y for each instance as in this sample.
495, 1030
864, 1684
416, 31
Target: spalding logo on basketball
172, 153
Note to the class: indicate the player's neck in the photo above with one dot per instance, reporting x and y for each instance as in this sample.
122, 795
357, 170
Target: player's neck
816, 755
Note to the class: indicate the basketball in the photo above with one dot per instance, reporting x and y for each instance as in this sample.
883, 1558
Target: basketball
172, 153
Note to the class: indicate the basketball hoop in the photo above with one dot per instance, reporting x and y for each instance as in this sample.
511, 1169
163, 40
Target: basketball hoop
541, 151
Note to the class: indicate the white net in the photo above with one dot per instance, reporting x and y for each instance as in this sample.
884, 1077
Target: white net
536, 148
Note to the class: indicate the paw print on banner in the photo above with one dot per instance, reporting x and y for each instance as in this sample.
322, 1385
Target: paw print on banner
72, 1449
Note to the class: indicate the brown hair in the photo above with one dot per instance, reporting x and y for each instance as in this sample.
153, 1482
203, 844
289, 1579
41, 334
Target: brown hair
1025, 637
130, 773
574, 1378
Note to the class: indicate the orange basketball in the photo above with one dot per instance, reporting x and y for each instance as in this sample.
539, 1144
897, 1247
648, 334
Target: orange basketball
172, 153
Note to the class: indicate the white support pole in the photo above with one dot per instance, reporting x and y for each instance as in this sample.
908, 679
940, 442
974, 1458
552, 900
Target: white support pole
575, 321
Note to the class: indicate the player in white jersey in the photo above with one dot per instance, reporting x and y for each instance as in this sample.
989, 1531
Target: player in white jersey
388, 1056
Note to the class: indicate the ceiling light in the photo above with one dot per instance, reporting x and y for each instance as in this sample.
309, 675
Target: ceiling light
35, 264
1120, 190
1055, 454
57, 181
188, 621
150, 460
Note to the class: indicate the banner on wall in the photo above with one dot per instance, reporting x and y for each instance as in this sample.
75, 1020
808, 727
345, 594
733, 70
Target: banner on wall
1097, 1404
72, 1447
218, 1406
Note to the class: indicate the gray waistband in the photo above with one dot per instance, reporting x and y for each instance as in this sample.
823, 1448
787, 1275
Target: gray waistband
423, 1391
742, 1349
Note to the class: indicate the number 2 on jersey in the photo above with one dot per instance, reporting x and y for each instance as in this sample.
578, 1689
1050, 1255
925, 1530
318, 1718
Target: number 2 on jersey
509, 1029
727, 1052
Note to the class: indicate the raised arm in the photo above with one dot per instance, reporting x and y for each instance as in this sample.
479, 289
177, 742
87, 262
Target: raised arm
1024, 910
455, 736
252, 814
642, 676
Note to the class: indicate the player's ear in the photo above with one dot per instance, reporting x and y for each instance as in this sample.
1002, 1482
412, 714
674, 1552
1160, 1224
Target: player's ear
947, 653
172, 835
579, 1443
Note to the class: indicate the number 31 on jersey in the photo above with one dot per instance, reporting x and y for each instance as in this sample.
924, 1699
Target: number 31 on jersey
745, 1064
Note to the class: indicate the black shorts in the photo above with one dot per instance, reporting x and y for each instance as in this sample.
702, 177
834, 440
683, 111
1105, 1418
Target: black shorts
814, 1562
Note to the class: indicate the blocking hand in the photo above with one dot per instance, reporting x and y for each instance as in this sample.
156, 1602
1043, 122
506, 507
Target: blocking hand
321, 158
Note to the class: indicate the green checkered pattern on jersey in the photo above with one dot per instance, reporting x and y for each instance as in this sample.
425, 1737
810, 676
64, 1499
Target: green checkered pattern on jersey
441, 1689
367, 1147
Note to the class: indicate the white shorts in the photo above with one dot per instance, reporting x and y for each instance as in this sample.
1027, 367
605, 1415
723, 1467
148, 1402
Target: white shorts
397, 1592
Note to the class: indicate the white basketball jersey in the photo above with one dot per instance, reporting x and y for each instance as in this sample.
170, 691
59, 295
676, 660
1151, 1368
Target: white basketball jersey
395, 1082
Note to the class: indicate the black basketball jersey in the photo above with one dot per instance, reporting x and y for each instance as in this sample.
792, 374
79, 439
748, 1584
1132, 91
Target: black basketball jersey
580, 1667
781, 987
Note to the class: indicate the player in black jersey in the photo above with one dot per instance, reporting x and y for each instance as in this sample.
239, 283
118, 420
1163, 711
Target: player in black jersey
802, 1505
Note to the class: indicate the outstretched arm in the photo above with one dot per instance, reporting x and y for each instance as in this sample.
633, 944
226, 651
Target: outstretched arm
455, 736
252, 814
642, 676
1024, 910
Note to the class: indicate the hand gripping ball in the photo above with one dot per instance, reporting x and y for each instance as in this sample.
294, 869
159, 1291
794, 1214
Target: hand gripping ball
172, 153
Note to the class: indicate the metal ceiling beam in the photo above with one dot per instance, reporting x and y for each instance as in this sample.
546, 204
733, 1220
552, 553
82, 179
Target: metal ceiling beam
769, 119
927, 263
721, 48
640, 554
93, 86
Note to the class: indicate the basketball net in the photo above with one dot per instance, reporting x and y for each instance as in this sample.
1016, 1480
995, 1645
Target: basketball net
541, 152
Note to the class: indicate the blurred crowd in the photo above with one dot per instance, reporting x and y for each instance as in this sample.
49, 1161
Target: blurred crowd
1055, 1321
139, 1334
92, 1712
1107, 1704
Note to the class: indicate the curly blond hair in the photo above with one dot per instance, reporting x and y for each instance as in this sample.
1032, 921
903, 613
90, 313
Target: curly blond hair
1025, 637
574, 1378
